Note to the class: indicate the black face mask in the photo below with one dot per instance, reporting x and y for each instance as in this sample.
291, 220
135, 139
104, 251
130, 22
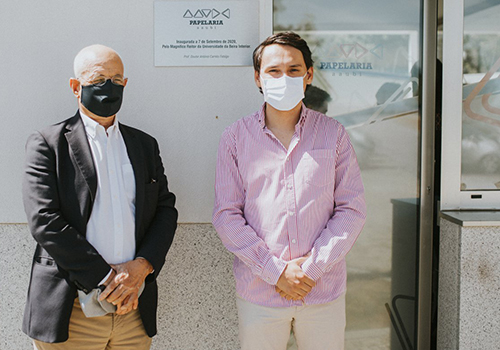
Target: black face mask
104, 100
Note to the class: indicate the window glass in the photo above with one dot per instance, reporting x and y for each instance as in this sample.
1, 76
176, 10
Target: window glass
481, 96
366, 75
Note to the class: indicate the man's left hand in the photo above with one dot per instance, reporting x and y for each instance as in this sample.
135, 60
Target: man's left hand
123, 290
293, 283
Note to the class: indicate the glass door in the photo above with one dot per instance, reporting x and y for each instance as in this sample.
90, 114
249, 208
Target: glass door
367, 68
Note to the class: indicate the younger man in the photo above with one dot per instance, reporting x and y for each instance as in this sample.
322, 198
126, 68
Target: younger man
289, 203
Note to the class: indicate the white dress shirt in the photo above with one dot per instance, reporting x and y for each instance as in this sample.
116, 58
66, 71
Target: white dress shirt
111, 227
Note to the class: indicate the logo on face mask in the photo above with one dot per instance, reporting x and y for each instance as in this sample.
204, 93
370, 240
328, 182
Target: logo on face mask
283, 93
105, 100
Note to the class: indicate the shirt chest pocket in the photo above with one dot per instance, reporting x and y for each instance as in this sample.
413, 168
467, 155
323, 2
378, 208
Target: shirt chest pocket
317, 167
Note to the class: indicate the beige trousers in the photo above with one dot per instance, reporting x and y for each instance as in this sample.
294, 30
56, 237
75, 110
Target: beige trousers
315, 326
109, 332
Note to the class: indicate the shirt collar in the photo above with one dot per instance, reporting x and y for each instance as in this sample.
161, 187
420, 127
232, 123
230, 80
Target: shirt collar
302, 119
91, 125
261, 115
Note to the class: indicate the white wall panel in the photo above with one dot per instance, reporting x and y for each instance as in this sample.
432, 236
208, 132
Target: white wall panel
186, 109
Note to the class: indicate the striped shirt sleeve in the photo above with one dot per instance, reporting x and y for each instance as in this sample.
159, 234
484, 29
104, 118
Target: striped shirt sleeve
228, 216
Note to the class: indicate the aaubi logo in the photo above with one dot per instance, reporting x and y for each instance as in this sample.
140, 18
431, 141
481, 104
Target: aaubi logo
208, 13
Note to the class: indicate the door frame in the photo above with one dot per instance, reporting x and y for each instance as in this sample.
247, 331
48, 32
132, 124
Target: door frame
427, 205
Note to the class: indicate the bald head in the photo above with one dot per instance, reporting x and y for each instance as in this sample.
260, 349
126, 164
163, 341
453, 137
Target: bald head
97, 60
94, 66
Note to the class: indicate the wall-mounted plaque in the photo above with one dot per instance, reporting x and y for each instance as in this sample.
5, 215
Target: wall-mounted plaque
205, 33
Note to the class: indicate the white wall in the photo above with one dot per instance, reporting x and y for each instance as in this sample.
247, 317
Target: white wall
186, 109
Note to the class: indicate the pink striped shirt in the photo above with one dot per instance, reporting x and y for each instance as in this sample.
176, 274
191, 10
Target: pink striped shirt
273, 205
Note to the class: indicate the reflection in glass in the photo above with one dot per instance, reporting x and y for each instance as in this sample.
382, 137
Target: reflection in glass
366, 57
481, 106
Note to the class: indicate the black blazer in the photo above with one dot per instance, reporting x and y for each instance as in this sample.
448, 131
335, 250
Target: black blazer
59, 188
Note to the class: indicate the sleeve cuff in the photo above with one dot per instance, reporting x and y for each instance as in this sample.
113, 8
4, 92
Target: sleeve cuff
105, 278
311, 270
273, 270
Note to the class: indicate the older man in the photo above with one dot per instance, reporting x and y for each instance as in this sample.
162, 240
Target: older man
99, 208
289, 203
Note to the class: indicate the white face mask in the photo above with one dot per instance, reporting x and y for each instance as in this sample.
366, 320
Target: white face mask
283, 93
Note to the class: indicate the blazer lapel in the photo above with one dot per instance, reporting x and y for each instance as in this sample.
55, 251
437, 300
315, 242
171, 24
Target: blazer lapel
134, 151
77, 140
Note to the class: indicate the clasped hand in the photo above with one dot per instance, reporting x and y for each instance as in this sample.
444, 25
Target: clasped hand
122, 286
293, 283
